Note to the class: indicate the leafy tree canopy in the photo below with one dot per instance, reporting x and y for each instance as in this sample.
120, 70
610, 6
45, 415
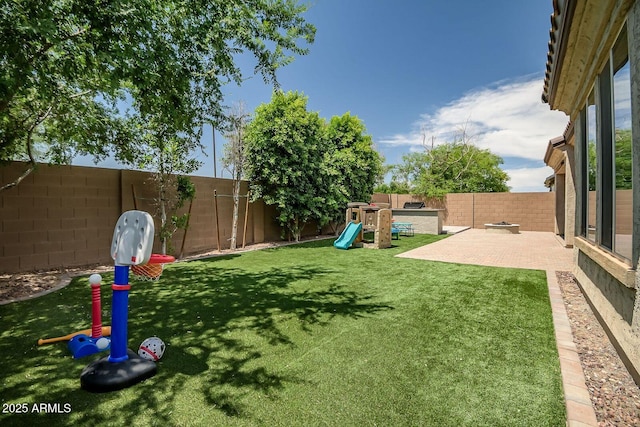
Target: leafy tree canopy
284, 151
97, 78
455, 167
393, 187
352, 162
307, 168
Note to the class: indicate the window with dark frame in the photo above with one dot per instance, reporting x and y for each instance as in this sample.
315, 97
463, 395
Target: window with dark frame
622, 142
604, 150
606, 156
591, 166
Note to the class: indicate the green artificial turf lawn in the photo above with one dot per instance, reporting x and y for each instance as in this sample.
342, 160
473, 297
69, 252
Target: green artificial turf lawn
303, 335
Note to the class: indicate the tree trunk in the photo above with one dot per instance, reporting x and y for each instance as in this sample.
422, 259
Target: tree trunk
236, 203
296, 230
163, 217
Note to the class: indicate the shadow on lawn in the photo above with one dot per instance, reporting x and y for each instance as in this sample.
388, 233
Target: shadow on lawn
224, 318
219, 323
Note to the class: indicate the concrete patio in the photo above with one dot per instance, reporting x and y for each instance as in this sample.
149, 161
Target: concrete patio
531, 250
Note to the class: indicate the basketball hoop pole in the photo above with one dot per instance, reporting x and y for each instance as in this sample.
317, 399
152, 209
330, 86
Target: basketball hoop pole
131, 245
119, 315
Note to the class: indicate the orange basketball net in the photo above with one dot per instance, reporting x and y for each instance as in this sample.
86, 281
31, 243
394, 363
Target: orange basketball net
152, 270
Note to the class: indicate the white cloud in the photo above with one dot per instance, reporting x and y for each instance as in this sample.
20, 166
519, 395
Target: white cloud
508, 118
528, 179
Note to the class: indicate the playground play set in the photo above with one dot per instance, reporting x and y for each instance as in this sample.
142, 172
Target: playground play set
363, 220
130, 247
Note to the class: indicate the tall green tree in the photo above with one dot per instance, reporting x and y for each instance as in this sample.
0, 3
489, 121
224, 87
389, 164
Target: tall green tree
80, 77
307, 168
285, 147
455, 167
352, 163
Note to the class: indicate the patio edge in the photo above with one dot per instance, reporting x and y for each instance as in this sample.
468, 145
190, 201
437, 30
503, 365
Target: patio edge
580, 412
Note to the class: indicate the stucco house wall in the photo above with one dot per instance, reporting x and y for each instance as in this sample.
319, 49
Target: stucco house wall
591, 40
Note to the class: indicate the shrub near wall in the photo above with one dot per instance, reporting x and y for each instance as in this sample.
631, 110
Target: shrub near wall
201, 234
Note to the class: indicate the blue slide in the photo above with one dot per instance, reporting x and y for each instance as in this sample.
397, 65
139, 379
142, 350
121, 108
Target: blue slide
348, 235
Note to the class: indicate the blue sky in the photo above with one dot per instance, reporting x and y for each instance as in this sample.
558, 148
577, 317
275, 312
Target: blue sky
409, 68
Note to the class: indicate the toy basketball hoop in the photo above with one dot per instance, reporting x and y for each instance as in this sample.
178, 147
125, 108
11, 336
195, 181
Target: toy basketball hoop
131, 246
152, 270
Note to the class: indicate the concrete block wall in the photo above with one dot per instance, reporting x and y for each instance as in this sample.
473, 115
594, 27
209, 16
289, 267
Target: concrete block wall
57, 216
138, 192
533, 211
64, 216
624, 211
459, 210
423, 221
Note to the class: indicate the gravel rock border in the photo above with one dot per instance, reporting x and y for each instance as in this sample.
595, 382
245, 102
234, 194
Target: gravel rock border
614, 394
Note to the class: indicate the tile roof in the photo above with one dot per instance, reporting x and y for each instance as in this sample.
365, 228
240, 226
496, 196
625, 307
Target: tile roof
562, 13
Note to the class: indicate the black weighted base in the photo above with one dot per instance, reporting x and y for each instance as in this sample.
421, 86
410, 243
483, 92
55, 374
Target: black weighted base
103, 376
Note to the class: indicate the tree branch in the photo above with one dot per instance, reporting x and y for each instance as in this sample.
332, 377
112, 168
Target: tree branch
49, 45
4, 103
29, 142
